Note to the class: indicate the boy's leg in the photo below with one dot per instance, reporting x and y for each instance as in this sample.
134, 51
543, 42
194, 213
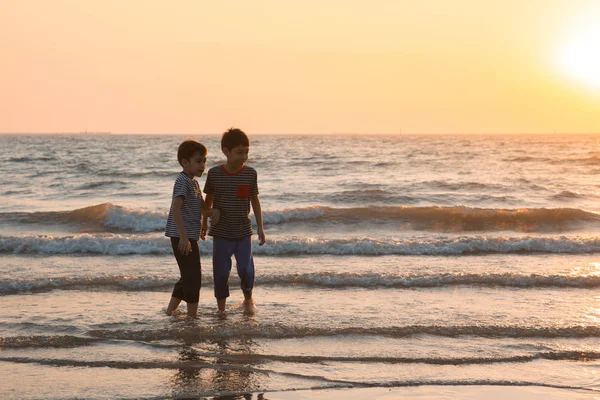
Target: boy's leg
222, 251
221, 303
245, 269
188, 287
192, 279
177, 294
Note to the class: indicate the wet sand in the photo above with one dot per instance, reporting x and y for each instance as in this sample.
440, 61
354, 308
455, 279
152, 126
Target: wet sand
435, 392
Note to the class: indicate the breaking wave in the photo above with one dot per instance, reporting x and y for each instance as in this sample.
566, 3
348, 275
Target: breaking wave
111, 217
115, 244
446, 218
318, 280
105, 215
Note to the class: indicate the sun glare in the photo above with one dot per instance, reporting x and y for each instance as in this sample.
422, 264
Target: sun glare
579, 56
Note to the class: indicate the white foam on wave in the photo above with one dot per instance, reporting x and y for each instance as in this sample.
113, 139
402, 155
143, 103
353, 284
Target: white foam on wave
143, 220
121, 282
322, 279
297, 214
375, 280
157, 244
85, 243
443, 246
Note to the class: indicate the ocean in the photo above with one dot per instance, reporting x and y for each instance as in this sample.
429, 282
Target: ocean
390, 262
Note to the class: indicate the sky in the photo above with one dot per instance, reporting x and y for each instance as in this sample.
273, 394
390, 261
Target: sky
311, 66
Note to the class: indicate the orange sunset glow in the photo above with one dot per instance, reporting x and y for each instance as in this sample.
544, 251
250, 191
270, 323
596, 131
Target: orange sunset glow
383, 66
300, 200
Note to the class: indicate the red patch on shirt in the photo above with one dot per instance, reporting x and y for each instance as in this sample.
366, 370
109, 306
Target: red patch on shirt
243, 191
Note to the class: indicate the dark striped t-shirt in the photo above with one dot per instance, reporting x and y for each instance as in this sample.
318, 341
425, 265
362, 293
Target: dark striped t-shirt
191, 210
232, 192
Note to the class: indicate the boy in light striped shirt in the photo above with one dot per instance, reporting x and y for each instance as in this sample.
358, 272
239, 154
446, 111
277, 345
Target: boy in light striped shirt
183, 225
232, 188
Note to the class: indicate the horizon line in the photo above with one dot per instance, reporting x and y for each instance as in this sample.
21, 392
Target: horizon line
304, 133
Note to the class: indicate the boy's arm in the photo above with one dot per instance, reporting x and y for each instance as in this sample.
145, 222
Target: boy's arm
255, 201
184, 244
208, 211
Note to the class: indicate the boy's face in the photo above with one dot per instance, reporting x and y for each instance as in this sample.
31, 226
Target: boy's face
196, 165
237, 156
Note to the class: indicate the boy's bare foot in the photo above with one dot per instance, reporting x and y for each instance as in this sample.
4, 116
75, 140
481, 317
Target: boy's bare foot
222, 314
173, 304
192, 309
249, 307
172, 312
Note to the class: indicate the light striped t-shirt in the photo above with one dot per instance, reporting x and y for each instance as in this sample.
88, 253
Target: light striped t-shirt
232, 192
191, 210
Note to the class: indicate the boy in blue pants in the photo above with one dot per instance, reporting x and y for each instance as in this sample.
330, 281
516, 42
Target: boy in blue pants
232, 188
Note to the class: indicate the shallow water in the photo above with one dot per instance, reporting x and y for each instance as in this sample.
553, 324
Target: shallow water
391, 262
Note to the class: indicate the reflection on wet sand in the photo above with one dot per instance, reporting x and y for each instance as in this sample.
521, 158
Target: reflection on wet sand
218, 373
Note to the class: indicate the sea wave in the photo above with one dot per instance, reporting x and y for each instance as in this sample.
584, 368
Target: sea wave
567, 195
121, 282
201, 359
105, 215
367, 196
111, 217
316, 280
593, 159
31, 159
524, 159
114, 244
202, 333
85, 244
569, 355
446, 218
468, 186
128, 174
99, 184
64, 341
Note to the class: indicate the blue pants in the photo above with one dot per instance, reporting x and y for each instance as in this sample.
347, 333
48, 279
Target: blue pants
223, 249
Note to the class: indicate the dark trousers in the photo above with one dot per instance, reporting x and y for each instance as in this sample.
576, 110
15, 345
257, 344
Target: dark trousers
187, 287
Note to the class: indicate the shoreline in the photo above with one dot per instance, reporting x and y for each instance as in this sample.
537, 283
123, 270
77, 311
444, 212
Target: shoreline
429, 392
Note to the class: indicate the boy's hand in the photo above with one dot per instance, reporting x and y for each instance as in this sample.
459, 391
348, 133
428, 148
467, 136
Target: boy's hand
261, 236
184, 247
203, 232
215, 215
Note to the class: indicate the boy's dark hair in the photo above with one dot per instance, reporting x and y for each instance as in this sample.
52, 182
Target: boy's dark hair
234, 137
188, 148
